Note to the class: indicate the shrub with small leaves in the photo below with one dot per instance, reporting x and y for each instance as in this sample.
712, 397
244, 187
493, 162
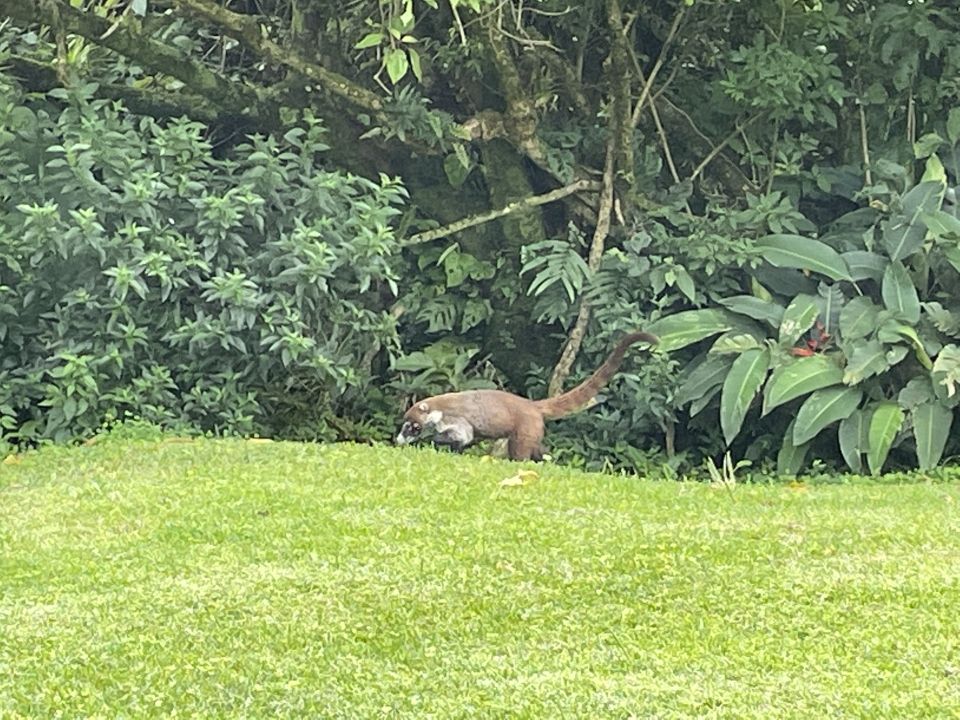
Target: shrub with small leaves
143, 274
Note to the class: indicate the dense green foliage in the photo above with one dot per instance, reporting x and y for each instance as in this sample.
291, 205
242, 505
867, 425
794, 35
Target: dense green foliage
779, 174
144, 276
229, 578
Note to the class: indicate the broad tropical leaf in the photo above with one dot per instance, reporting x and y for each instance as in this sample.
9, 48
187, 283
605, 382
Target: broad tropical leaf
916, 392
796, 251
697, 406
756, 308
790, 458
734, 342
706, 376
931, 428
942, 224
946, 375
830, 301
899, 294
823, 408
894, 332
740, 387
904, 234
799, 317
858, 318
865, 265
685, 328
945, 320
885, 423
853, 438
802, 376
868, 359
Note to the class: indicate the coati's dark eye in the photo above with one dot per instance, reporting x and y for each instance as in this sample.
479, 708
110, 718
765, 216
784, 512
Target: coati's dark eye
416, 427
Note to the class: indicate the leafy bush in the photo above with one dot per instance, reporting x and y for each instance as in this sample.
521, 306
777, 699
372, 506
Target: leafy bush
142, 273
869, 350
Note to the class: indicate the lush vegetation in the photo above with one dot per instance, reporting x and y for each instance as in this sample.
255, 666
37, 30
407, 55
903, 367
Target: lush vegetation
291, 217
228, 578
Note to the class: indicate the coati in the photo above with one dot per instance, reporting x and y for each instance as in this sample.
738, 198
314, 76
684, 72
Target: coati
461, 418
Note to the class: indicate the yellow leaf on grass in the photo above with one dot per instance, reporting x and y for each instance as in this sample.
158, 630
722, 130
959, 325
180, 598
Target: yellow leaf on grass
521, 478
11, 460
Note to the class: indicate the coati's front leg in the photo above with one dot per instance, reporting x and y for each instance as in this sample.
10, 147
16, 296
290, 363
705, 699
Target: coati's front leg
450, 439
454, 434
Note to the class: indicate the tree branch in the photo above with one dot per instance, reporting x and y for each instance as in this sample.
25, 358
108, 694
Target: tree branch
621, 123
533, 201
597, 244
41, 77
247, 30
237, 98
638, 109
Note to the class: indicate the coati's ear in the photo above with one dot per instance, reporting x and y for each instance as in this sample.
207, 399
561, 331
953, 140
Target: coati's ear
422, 407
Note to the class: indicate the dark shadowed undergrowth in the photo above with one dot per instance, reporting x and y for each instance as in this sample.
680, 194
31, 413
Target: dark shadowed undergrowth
241, 579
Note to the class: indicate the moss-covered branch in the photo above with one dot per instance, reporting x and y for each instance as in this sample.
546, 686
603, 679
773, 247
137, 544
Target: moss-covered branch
247, 30
125, 39
520, 118
621, 124
41, 77
526, 203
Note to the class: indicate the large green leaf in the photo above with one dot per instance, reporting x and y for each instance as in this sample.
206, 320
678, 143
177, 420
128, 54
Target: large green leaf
916, 392
893, 332
733, 342
799, 317
858, 318
790, 458
952, 254
885, 423
754, 307
865, 265
953, 125
802, 376
697, 406
823, 408
830, 301
853, 436
942, 224
946, 375
868, 358
685, 328
904, 234
740, 387
704, 377
899, 294
931, 428
796, 251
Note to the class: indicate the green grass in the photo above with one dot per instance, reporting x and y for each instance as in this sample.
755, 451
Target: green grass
234, 579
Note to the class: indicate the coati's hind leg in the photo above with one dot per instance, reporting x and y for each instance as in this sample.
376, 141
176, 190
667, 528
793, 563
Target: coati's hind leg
526, 441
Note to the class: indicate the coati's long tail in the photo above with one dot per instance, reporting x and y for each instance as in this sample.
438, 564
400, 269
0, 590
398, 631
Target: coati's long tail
576, 398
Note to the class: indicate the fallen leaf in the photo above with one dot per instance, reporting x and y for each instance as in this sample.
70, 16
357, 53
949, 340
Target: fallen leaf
521, 478
11, 460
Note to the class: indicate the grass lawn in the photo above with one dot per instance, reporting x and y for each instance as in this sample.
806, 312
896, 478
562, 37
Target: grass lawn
238, 579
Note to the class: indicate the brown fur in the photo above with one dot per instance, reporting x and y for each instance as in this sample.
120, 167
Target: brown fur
463, 417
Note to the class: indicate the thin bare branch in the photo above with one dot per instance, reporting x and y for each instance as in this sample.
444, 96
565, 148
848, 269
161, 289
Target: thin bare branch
865, 145
526, 203
597, 245
674, 27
